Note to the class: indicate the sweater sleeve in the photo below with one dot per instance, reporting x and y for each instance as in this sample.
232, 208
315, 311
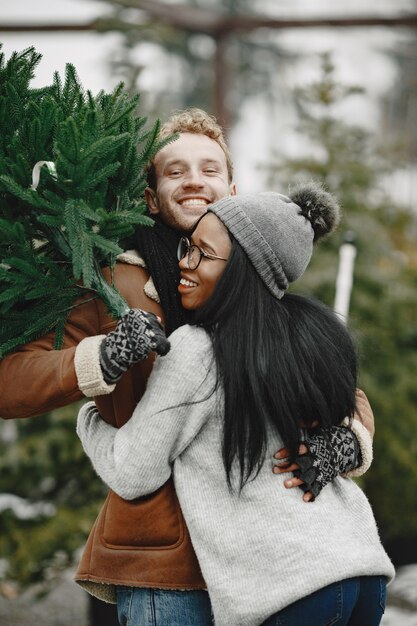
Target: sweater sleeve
136, 459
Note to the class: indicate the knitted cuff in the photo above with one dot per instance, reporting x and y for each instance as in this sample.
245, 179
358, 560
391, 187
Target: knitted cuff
88, 370
365, 445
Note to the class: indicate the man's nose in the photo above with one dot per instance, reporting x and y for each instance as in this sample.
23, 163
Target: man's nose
193, 179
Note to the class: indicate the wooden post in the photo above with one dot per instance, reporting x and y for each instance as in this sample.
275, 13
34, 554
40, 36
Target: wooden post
220, 88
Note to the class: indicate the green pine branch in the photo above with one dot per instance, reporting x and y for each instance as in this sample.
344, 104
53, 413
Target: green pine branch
58, 234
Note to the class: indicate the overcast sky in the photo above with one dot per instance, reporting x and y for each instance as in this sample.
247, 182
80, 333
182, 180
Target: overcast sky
90, 52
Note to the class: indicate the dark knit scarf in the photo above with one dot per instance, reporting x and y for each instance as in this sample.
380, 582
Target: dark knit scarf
157, 246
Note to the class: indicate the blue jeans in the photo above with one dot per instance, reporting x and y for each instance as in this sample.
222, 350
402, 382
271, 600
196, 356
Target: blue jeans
163, 607
350, 602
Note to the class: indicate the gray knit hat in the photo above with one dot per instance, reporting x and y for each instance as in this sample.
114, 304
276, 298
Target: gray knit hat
277, 232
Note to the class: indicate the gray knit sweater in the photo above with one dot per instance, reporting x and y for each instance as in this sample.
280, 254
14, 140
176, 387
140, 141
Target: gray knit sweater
259, 551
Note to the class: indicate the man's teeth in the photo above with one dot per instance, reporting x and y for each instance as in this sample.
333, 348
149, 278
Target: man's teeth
187, 283
193, 202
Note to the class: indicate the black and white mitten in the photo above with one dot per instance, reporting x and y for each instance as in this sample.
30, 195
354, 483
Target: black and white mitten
332, 452
136, 335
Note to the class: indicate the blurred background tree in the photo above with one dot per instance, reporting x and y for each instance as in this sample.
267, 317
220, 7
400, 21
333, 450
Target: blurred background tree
399, 106
50, 496
352, 163
201, 61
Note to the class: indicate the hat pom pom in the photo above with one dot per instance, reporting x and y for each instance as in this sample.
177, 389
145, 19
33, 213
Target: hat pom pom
318, 206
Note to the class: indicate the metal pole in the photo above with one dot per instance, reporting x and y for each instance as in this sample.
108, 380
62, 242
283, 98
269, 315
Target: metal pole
344, 279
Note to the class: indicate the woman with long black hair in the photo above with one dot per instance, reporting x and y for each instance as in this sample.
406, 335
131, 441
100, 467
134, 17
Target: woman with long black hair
256, 370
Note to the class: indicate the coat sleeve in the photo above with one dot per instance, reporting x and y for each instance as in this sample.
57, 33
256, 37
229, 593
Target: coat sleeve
36, 379
136, 459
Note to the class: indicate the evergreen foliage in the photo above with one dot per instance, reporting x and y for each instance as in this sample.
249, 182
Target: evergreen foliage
348, 160
71, 194
59, 496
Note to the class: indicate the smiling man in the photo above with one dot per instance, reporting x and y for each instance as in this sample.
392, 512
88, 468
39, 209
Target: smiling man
190, 173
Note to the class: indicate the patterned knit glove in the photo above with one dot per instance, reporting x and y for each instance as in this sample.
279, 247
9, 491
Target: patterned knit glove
334, 452
137, 333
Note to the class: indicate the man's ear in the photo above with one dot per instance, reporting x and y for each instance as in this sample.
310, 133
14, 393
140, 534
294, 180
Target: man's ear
151, 201
233, 190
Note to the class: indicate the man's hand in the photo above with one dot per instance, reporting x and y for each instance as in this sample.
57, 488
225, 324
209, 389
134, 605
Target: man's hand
136, 335
320, 459
284, 466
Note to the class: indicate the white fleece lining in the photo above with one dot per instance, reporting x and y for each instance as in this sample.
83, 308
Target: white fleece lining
365, 444
132, 258
88, 370
102, 591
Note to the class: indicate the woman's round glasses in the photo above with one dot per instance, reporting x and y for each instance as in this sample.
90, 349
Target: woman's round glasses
194, 253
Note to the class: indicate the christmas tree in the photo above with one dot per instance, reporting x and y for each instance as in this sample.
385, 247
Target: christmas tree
72, 177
